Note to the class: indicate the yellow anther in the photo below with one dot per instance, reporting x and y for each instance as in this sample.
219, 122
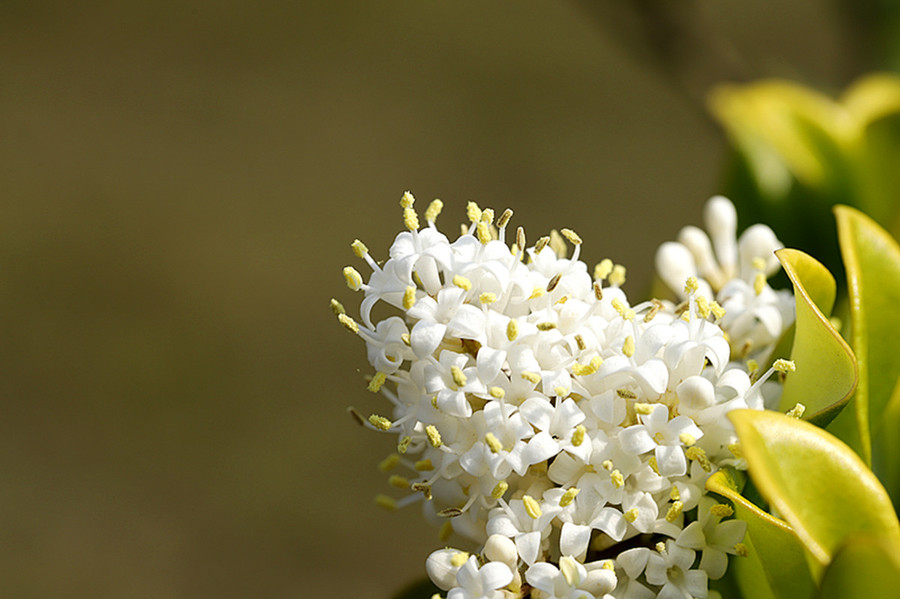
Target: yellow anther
348, 323
740, 550
579, 341
568, 497
721, 510
433, 210
628, 346
759, 283
499, 489
691, 285
459, 376
735, 449
380, 422
572, 236
532, 507
654, 310
512, 330
797, 411
423, 488
617, 479
698, 455
541, 244
608, 564
602, 269
497, 392
752, 366
687, 439
578, 435
444, 534
337, 307
404, 337
626, 394
401, 482
353, 278
409, 297
410, 219
557, 244
674, 495
758, 263
459, 558
560, 391
617, 276
359, 248
377, 382
520, 238
450, 512
607, 464
583, 369
504, 218
407, 200
717, 310
546, 326
598, 291
386, 502
434, 436
674, 511
532, 377
782, 365
631, 515
462, 282
493, 443
389, 463
660, 547
703, 307
487, 297
554, 282
473, 212
487, 216
643, 408
403, 444
423, 465
483, 231
654, 465
537, 292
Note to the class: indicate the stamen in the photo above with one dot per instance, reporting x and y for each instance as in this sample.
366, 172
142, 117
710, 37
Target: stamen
691, 285
631, 515
487, 297
735, 449
758, 263
433, 210
504, 218
405, 338
759, 283
462, 282
487, 216
337, 307
348, 323
617, 479
654, 310
717, 310
532, 507
687, 439
617, 277
380, 422
698, 455
797, 411
554, 282
389, 463
512, 330
410, 219
409, 297
568, 497
388, 503
557, 244
578, 435
520, 238
458, 376
598, 291
407, 200
423, 465
359, 248
721, 510
532, 377
483, 231
537, 292
572, 236
497, 392
602, 269
353, 278
450, 512
654, 465
674, 495
607, 464
674, 511
628, 346
493, 443
403, 444
741, 550
377, 382
401, 482
643, 408
459, 558
579, 341
785, 366
423, 488
541, 244
626, 394
546, 326
499, 489
434, 436
703, 307
473, 212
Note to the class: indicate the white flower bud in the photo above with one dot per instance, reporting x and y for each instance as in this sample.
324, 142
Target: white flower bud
440, 568
720, 218
499, 548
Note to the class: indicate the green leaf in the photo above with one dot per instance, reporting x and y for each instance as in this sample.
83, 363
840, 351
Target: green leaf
775, 565
826, 369
814, 481
864, 566
872, 261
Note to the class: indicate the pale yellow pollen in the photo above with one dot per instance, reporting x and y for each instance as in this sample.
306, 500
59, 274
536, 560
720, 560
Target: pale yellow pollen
782, 365
674, 495
459, 558
389, 463
493, 443
691, 285
434, 436
473, 212
377, 382
401, 482
487, 297
353, 278
497, 392
532, 377
554, 282
407, 200
359, 248
654, 310
654, 465
797, 411
386, 502
752, 366
532, 507
380, 422
623, 310
504, 218
433, 210
587, 369
674, 511
572, 236
603, 269
569, 496
687, 439
512, 330
721, 510
658, 437
404, 337
403, 445
579, 341
409, 297
537, 292
631, 515
626, 394
546, 326
759, 283
483, 231
735, 449
758, 263
598, 291
617, 479
462, 282
643, 408
337, 307
660, 547
459, 376
410, 219
541, 244
423, 465
703, 307
578, 435
444, 534
607, 464
520, 238
348, 323
617, 276
698, 455
560, 391
740, 550
608, 564
487, 216
628, 346
499, 489
557, 244
717, 310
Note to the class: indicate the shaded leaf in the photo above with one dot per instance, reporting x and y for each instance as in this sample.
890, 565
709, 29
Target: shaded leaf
864, 566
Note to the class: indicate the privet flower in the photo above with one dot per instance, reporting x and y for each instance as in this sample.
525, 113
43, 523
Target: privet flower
560, 433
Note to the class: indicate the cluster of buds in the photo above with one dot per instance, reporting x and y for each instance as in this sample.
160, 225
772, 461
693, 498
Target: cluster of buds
560, 435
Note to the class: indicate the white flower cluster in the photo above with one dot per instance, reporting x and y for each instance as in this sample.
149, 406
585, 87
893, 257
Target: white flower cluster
563, 432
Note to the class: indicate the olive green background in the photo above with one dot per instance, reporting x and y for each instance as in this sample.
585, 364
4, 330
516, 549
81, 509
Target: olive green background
179, 185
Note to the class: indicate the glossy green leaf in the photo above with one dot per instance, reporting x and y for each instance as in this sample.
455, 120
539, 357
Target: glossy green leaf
775, 565
818, 484
886, 454
872, 261
826, 368
864, 566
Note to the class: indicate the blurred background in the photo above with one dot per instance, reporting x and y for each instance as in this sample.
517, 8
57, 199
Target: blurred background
180, 185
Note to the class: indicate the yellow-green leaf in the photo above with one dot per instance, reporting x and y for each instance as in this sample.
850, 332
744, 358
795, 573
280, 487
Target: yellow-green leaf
775, 565
872, 261
826, 369
815, 482
864, 566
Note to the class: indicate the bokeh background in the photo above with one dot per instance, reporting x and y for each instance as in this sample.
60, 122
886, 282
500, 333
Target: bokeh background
179, 185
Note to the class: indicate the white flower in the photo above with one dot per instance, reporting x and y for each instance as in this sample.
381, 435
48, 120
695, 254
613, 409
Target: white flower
713, 536
671, 569
572, 580
480, 583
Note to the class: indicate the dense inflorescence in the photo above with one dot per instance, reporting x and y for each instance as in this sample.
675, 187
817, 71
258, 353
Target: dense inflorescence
562, 433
